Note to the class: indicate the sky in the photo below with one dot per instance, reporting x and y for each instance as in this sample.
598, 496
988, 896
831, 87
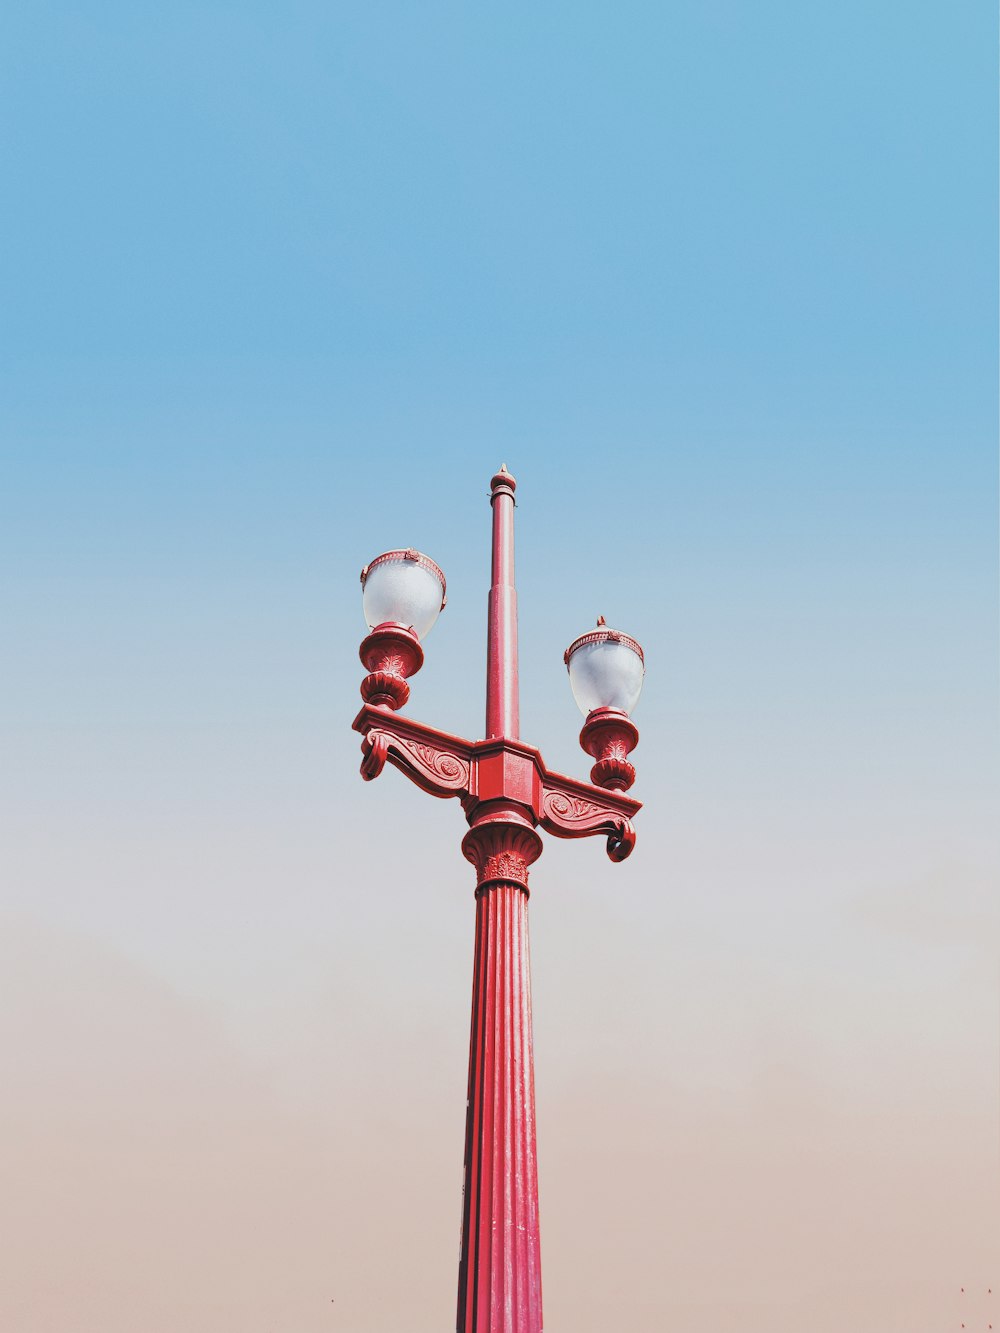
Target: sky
281, 288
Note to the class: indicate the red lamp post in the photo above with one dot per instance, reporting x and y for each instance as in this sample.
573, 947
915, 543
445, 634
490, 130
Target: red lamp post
507, 793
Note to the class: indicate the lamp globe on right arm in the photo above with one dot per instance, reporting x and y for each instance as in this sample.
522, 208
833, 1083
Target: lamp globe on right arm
606, 669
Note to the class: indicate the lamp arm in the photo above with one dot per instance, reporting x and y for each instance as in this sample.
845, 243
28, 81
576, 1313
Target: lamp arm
489, 771
572, 809
437, 762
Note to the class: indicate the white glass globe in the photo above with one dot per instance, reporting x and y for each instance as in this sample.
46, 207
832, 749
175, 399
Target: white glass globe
605, 670
403, 588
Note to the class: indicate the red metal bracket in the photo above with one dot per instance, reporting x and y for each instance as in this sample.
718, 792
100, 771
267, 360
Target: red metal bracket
438, 763
495, 775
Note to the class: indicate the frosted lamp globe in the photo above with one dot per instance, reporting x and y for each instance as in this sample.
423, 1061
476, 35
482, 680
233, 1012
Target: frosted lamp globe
606, 669
403, 588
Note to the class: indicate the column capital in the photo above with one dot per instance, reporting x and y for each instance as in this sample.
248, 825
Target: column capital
501, 849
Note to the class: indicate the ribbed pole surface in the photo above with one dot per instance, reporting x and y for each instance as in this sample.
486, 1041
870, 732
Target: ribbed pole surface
500, 1278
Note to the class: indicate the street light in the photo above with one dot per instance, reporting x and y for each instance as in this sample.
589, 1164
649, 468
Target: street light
507, 793
606, 669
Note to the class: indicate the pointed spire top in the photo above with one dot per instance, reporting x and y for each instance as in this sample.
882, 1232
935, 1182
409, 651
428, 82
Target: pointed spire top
503, 481
601, 621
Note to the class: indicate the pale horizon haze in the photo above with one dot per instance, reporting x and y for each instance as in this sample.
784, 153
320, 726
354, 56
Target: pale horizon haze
282, 287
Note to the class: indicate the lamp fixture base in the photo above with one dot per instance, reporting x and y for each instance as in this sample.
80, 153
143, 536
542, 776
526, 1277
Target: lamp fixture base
609, 735
391, 653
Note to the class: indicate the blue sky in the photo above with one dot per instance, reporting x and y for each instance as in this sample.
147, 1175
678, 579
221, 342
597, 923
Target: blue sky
280, 290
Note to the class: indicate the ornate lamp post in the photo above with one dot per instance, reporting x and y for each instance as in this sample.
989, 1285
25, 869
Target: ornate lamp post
507, 793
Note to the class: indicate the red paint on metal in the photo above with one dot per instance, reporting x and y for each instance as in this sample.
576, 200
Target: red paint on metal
507, 793
501, 642
500, 1273
500, 1276
610, 736
391, 653
604, 634
445, 765
503, 773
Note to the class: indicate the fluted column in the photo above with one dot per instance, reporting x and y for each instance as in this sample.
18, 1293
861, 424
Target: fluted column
500, 1276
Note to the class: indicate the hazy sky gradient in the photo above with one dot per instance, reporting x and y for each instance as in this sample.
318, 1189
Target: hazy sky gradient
280, 291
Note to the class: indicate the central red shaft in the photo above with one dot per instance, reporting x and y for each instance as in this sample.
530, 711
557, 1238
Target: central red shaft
501, 638
508, 793
500, 1279
500, 1274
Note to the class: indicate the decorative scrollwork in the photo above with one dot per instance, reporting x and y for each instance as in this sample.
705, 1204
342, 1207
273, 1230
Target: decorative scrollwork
610, 736
621, 842
506, 805
375, 750
448, 767
385, 689
501, 852
437, 771
507, 866
614, 772
568, 809
569, 814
